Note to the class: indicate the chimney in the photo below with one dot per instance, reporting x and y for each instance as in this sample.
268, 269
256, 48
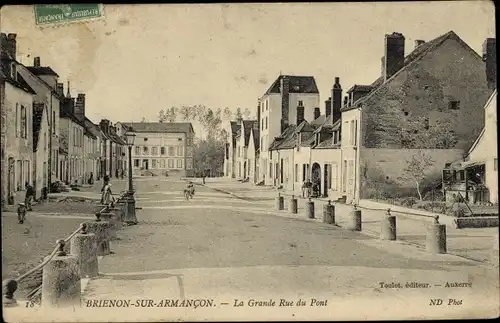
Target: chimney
285, 98
336, 100
382, 66
328, 107
394, 54
104, 125
490, 58
419, 42
317, 113
258, 110
80, 107
9, 44
60, 89
68, 94
36, 62
300, 114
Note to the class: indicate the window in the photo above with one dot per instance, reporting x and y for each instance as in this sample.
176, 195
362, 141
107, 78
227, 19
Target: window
53, 122
162, 163
13, 71
45, 141
301, 104
24, 124
154, 151
170, 163
296, 173
179, 163
145, 139
145, 150
262, 106
189, 164
136, 162
262, 124
303, 172
179, 139
180, 151
355, 133
137, 150
495, 163
267, 104
266, 122
153, 163
171, 151
454, 105
162, 151
17, 120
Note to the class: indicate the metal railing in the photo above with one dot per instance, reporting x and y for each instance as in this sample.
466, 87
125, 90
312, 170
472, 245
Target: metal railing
10, 285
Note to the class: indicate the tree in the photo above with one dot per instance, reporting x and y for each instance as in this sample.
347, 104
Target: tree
238, 115
246, 113
168, 116
227, 114
419, 135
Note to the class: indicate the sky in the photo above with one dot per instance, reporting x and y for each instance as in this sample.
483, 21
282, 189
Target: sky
140, 59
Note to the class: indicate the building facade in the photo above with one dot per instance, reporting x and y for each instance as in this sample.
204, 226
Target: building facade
162, 148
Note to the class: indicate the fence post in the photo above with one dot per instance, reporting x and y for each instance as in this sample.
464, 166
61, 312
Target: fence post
292, 205
101, 230
111, 218
61, 280
280, 202
436, 237
84, 245
354, 223
310, 209
329, 213
388, 227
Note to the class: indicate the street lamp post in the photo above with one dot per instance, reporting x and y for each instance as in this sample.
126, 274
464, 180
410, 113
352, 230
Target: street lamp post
131, 217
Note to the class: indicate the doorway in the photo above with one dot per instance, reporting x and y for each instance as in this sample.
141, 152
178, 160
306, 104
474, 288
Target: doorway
326, 180
316, 176
145, 164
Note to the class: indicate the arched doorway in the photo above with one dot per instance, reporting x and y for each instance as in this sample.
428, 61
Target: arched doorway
316, 176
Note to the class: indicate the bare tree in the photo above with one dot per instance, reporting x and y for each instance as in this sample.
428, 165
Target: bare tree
416, 169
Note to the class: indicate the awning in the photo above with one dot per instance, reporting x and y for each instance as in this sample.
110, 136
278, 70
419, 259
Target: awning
472, 163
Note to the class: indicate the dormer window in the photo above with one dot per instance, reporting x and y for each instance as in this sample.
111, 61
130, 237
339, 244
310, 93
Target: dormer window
301, 103
13, 71
145, 139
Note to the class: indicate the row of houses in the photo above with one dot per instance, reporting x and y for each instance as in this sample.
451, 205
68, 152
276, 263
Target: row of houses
429, 103
45, 134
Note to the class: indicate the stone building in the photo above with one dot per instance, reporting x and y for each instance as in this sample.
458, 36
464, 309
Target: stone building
232, 128
244, 162
440, 88
278, 110
162, 148
16, 123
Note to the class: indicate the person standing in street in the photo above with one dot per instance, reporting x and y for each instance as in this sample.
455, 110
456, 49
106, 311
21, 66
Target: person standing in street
30, 194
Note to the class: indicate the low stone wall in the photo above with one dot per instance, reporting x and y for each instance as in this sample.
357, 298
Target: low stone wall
476, 222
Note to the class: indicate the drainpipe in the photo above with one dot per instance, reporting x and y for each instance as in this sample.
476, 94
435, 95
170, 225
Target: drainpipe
51, 131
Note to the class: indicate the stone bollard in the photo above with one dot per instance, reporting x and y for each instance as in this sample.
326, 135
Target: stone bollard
329, 213
310, 209
117, 210
292, 205
122, 204
354, 223
436, 237
130, 217
84, 247
101, 230
61, 281
111, 218
280, 202
495, 256
388, 227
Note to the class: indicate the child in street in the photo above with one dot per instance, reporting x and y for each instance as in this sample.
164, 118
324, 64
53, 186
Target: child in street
30, 194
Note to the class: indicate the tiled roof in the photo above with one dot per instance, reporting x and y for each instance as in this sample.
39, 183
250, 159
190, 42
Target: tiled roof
415, 55
319, 120
65, 112
235, 127
285, 140
248, 125
161, 127
256, 138
37, 123
362, 88
42, 70
20, 83
92, 128
298, 84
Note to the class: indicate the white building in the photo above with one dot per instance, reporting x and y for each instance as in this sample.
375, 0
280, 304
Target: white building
162, 148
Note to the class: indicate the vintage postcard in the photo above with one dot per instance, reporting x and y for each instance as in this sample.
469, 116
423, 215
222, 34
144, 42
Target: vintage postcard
249, 162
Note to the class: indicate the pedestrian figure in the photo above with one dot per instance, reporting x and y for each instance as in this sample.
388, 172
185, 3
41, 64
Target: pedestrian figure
91, 179
107, 195
30, 194
306, 188
105, 181
203, 178
122, 173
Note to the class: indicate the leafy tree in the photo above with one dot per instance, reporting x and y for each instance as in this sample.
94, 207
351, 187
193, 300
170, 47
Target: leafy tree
227, 114
246, 113
168, 116
238, 115
415, 169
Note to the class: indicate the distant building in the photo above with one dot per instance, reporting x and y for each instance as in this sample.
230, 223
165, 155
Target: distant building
161, 148
16, 122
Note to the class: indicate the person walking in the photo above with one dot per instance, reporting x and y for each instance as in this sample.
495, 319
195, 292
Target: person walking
30, 194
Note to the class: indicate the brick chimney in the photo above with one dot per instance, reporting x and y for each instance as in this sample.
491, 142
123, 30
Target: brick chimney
285, 101
317, 113
336, 100
80, 107
300, 114
346, 101
36, 62
9, 44
60, 89
328, 107
394, 54
419, 42
104, 125
490, 58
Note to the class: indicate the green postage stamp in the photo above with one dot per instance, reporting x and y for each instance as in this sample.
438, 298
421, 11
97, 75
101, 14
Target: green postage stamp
46, 14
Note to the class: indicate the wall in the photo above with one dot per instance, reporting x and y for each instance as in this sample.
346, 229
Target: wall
381, 169
42, 155
309, 101
486, 149
424, 89
18, 148
158, 163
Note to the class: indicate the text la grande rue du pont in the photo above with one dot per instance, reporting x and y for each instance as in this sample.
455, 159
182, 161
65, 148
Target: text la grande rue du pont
281, 302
